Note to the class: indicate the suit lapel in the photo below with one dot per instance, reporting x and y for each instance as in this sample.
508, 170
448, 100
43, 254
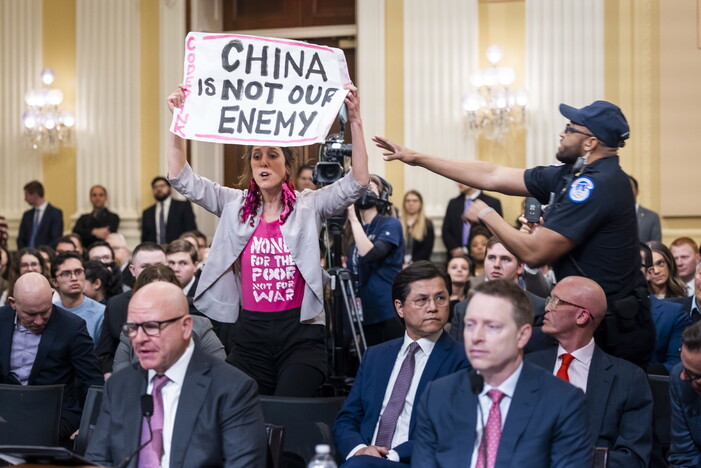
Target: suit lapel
132, 412
192, 396
433, 365
464, 422
380, 379
520, 413
6, 331
598, 388
46, 343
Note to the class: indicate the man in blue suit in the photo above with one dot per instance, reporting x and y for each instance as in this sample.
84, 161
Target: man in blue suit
529, 418
685, 393
619, 399
41, 225
376, 424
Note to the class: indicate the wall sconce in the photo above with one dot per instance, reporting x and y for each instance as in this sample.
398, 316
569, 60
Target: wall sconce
45, 126
493, 109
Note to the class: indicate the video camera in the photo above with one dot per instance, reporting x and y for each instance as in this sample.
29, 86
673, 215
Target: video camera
332, 153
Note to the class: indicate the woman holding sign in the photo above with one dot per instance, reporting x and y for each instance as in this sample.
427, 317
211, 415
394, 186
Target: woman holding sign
263, 269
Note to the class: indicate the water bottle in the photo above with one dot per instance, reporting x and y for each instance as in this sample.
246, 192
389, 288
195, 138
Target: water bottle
323, 458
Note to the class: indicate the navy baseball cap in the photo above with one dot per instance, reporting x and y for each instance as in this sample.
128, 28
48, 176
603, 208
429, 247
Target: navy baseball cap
603, 119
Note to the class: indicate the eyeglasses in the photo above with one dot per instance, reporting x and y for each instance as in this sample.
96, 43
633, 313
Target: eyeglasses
688, 375
151, 328
67, 274
439, 300
571, 129
554, 301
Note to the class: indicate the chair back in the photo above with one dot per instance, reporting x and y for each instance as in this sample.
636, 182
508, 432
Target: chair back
276, 443
30, 414
307, 422
91, 410
661, 409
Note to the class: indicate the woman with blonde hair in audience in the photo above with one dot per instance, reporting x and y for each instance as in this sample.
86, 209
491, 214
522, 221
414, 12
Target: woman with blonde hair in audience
663, 279
458, 269
417, 228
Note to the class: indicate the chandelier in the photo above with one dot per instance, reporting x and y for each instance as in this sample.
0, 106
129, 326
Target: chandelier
45, 126
494, 109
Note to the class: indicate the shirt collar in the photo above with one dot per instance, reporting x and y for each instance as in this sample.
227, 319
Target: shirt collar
426, 344
508, 386
176, 372
189, 285
583, 354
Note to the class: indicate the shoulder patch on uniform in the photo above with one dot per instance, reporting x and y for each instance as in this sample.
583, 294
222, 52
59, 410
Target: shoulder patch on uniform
581, 189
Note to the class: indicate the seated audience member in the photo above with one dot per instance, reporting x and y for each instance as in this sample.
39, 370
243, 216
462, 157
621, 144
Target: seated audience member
619, 399
65, 244
458, 269
145, 254
181, 256
42, 344
685, 393
5, 267
686, 255
68, 277
101, 251
376, 425
456, 227
101, 283
100, 222
529, 418
199, 240
48, 253
663, 280
691, 306
477, 245
206, 412
499, 263
77, 241
25, 261
670, 321
122, 257
202, 330
417, 228
649, 227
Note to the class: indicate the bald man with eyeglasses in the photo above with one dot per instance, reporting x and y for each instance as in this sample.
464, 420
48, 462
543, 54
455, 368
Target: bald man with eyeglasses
205, 412
618, 395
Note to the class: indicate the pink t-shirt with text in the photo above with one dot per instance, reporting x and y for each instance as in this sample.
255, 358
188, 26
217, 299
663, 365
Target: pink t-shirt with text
270, 280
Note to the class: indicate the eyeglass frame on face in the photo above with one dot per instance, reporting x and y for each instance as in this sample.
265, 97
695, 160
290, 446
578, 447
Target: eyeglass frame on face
556, 301
131, 329
690, 376
570, 129
66, 275
440, 300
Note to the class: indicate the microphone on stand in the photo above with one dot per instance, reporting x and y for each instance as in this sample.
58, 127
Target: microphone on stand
477, 385
146, 412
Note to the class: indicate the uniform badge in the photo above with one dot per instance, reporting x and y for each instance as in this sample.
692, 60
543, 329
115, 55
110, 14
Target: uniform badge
581, 189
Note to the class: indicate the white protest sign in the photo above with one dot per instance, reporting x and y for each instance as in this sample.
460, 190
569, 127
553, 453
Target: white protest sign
259, 91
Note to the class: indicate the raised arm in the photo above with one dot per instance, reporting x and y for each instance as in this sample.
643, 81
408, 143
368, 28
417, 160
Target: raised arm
477, 174
176, 150
360, 153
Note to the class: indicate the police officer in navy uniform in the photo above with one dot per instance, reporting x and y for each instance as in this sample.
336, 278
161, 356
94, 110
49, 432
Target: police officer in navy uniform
589, 227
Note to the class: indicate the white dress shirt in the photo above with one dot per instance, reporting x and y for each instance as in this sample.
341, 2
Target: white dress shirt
401, 433
578, 372
171, 396
42, 210
507, 387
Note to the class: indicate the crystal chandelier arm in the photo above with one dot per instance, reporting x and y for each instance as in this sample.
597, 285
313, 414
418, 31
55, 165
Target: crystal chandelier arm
477, 174
538, 248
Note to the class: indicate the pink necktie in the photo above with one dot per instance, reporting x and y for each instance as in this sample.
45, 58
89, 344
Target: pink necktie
492, 431
150, 456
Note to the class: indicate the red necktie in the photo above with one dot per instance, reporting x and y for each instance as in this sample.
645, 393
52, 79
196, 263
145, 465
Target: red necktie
564, 367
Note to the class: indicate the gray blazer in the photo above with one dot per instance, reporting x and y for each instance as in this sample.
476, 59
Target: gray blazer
202, 333
649, 228
219, 291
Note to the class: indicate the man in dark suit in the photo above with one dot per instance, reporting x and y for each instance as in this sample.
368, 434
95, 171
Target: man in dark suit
41, 225
456, 227
499, 263
421, 297
42, 344
176, 215
98, 224
182, 257
619, 399
544, 418
145, 254
685, 393
205, 412
649, 227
